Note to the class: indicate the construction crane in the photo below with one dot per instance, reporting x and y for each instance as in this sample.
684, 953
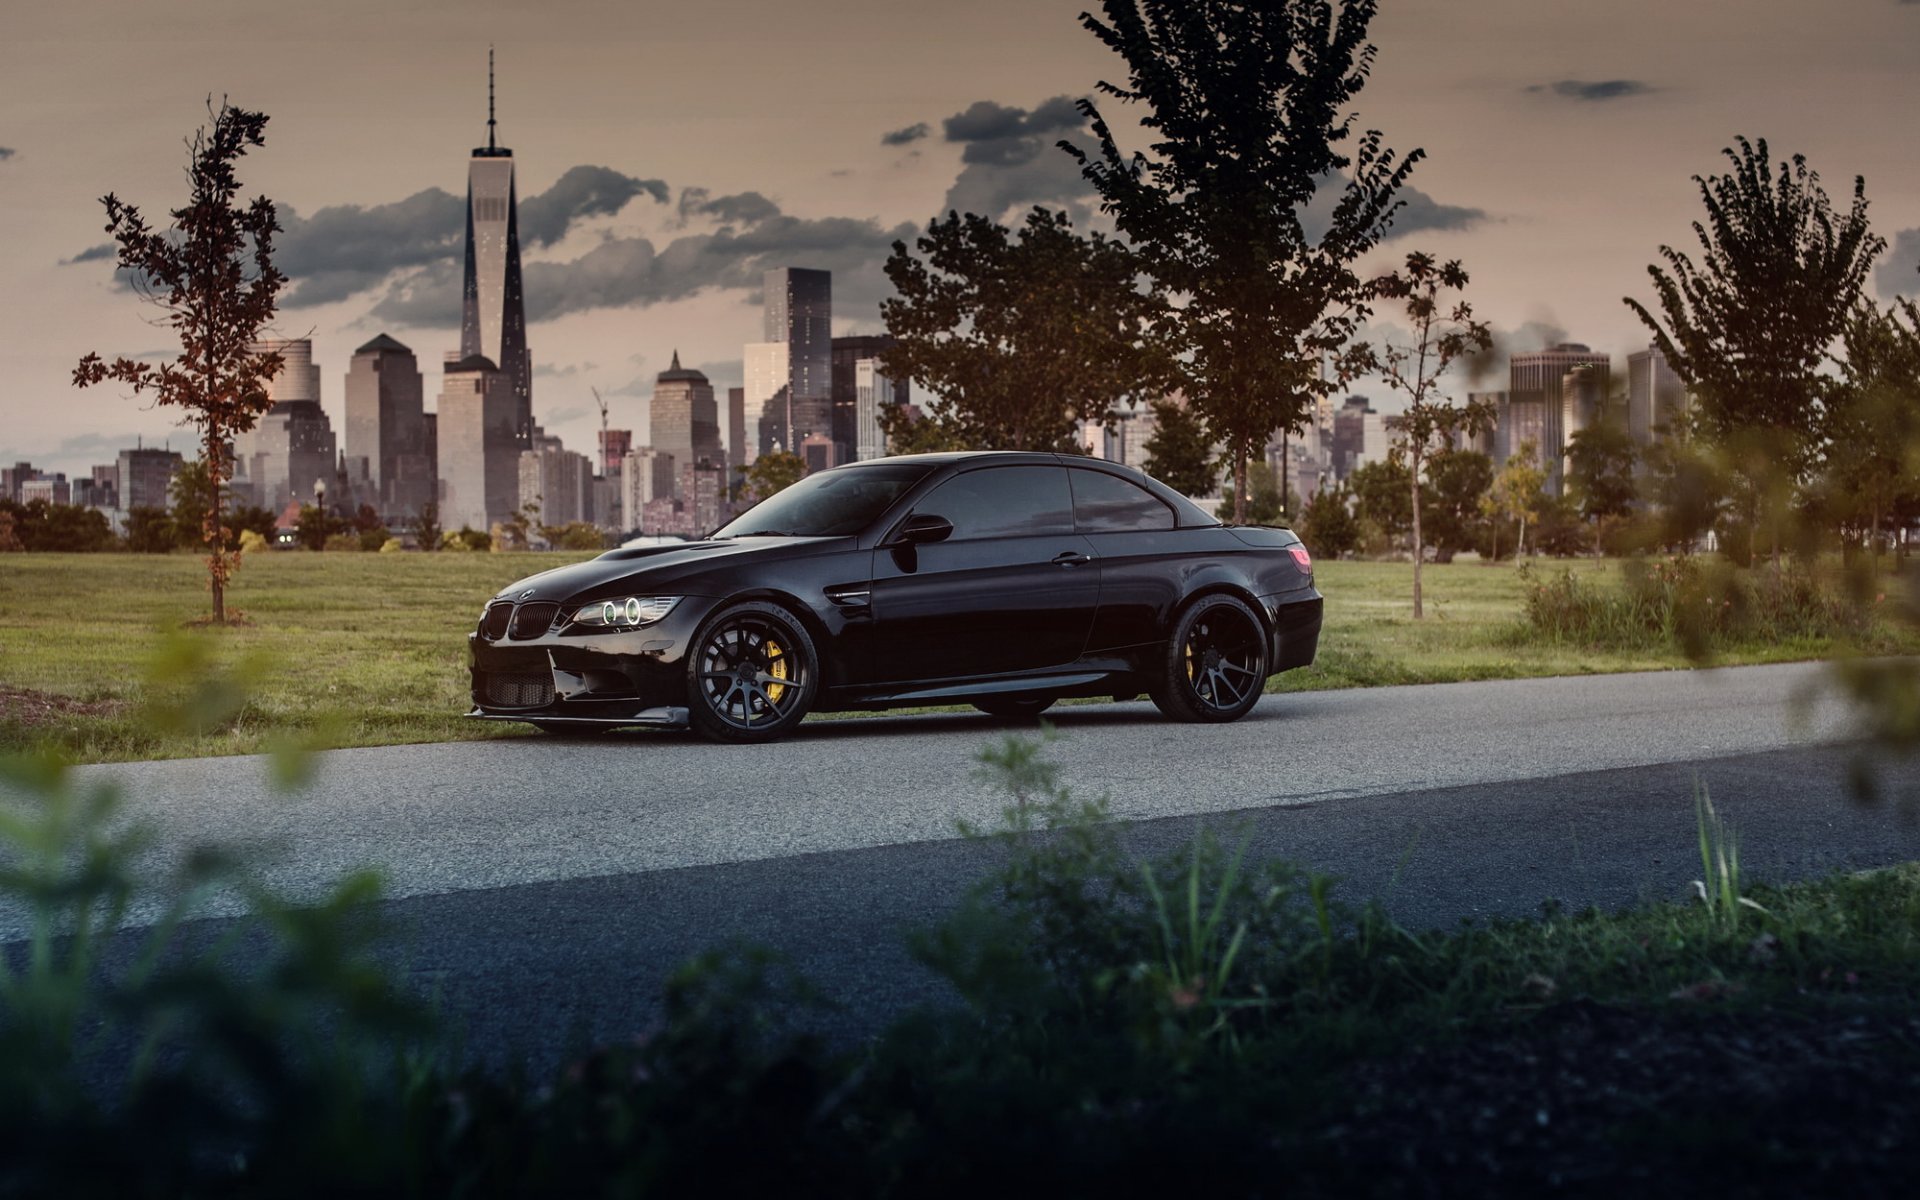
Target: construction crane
602, 402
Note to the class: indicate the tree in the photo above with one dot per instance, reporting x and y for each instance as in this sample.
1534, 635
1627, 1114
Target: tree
426, 526
1265, 505
772, 473
1442, 333
316, 525
1248, 110
1600, 462
1382, 497
1873, 420
574, 535
1179, 454
1327, 525
1457, 480
149, 530
57, 528
1750, 327
1518, 494
212, 275
908, 431
1687, 487
1022, 335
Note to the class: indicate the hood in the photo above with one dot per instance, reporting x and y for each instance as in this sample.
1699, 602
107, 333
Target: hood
655, 568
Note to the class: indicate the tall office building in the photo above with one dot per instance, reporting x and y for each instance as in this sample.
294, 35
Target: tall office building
848, 354
685, 420
386, 426
769, 396
873, 391
614, 444
797, 400
646, 476
1655, 395
1536, 393
737, 449
479, 445
143, 475
559, 481
493, 317
289, 456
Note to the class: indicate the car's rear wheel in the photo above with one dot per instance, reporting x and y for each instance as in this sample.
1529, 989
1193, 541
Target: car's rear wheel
1215, 664
1014, 708
752, 674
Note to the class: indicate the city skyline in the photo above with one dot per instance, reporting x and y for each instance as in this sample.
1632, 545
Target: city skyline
650, 207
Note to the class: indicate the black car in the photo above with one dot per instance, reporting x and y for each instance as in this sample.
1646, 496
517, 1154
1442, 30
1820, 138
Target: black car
1003, 580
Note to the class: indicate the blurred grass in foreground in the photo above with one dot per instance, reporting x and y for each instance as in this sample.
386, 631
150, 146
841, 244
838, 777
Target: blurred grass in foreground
367, 650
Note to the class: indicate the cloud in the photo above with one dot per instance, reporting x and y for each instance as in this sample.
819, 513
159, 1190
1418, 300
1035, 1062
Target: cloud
101, 253
623, 272
7, 152
1419, 213
346, 249
1596, 90
581, 193
1899, 275
902, 137
1011, 162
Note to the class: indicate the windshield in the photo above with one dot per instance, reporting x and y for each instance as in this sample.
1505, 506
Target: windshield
830, 504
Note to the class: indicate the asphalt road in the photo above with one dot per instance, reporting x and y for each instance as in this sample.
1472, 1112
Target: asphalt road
545, 887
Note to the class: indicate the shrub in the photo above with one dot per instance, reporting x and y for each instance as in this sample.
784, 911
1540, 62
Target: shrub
343, 541
252, 541
392, 545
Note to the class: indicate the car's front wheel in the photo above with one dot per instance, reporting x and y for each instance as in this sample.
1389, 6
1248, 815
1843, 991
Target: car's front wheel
752, 674
1215, 664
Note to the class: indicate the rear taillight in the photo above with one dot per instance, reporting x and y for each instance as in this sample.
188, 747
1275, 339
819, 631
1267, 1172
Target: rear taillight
1301, 559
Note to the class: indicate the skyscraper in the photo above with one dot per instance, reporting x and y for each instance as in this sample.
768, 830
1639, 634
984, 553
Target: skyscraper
493, 318
143, 475
1536, 392
738, 454
291, 452
1655, 394
768, 395
386, 426
848, 354
479, 446
685, 418
796, 397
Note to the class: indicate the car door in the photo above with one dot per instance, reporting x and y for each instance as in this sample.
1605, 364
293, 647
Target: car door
1013, 588
1134, 536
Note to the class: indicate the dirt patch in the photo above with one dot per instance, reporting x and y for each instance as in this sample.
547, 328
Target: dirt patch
25, 706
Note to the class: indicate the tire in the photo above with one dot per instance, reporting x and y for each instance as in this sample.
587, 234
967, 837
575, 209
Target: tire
1214, 666
1015, 708
752, 674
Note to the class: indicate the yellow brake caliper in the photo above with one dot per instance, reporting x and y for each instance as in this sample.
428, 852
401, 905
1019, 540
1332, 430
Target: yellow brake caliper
776, 667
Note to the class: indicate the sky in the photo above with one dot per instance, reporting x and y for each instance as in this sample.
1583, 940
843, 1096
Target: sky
668, 154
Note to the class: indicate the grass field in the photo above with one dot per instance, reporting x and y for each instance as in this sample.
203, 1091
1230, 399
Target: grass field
365, 649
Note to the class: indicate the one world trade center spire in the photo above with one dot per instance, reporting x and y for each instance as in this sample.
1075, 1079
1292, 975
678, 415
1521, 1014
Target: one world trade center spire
493, 319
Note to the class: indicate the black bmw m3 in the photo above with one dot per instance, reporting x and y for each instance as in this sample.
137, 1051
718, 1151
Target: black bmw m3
1004, 580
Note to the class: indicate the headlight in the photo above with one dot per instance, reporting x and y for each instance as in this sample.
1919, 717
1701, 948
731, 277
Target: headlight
628, 613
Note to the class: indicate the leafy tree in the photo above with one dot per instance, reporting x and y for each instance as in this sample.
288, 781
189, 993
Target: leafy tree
9, 532
1382, 497
1873, 420
1750, 327
1265, 504
1327, 524
1600, 464
190, 494
55, 528
514, 532
1179, 454
1442, 333
1248, 108
1022, 334
254, 519
1687, 487
909, 431
1457, 480
426, 526
149, 530
212, 274
1518, 494
371, 540
773, 473
316, 525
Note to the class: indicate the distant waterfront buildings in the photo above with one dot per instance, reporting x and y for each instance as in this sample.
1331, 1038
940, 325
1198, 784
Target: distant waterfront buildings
1656, 396
685, 419
646, 476
143, 475
386, 426
493, 315
289, 455
479, 444
855, 358
736, 430
793, 385
1537, 400
559, 482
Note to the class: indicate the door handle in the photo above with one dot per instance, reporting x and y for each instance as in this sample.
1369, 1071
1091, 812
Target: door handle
1071, 558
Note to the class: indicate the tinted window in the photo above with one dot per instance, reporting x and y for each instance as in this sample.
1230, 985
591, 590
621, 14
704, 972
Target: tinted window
1104, 503
830, 504
1003, 502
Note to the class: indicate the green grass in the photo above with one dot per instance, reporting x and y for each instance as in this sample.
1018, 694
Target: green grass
367, 649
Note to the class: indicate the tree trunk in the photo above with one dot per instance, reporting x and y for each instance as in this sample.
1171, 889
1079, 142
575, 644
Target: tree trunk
1413, 461
1239, 481
218, 567
1495, 523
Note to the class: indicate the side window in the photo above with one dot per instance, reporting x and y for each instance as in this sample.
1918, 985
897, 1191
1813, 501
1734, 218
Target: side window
1003, 502
1104, 503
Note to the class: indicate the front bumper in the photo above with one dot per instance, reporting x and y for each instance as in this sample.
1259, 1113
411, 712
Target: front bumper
1295, 619
634, 677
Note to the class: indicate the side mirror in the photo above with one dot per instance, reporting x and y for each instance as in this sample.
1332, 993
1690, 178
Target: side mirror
923, 529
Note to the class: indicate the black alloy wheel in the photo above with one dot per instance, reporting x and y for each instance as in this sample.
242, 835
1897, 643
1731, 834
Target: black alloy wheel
1216, 662
1014, 708
752, 674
